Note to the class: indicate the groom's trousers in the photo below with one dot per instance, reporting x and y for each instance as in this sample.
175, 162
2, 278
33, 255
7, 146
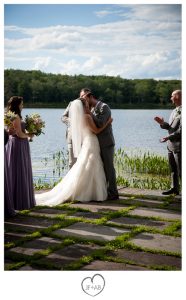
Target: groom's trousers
107, 155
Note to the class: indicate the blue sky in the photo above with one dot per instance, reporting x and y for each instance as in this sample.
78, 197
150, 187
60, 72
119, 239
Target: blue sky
132, 41
55, 14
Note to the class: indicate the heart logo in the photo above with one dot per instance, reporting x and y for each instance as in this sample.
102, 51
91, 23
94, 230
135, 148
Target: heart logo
93, 286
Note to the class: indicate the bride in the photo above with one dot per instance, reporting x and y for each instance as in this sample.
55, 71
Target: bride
86, 180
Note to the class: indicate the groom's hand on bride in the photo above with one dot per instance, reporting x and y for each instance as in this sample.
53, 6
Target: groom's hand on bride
109, 121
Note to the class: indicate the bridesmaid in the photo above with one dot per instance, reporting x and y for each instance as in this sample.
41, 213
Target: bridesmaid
8, 197
19, 159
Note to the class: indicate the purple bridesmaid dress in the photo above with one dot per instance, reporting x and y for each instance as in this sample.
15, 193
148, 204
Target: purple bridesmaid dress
20, 170
8, 197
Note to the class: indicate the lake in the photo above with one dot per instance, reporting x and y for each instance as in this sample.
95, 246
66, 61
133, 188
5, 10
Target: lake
134, 131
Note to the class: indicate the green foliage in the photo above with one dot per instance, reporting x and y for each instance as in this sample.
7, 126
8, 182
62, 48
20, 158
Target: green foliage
147, 163
142, 170
56, 90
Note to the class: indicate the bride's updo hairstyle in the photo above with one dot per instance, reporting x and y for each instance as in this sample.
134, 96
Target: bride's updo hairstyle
13, 105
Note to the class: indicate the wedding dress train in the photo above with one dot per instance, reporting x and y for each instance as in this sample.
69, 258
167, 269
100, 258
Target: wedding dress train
86, 179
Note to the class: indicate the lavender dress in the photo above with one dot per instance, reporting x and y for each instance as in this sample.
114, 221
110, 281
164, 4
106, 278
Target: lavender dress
8, 197
20, 170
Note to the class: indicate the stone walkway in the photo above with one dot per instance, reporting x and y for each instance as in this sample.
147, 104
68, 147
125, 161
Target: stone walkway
140, 231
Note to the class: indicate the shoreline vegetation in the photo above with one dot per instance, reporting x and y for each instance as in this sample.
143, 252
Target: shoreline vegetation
122, 106
47, 90
141, 170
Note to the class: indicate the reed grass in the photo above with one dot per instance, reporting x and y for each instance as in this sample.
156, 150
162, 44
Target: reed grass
147, 163
60, 162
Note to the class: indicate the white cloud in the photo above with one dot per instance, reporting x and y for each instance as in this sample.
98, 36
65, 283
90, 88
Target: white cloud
104, 13
91, 63
72, 67
42, 63
163, 12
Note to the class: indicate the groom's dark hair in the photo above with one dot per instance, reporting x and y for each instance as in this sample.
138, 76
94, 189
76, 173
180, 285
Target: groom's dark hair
86, 91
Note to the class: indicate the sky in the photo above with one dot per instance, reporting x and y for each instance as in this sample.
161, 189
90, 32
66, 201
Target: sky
131, 41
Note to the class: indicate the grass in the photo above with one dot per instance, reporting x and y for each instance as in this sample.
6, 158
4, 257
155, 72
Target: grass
143, 163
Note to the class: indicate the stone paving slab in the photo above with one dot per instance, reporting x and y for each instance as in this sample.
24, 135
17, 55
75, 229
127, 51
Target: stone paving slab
156, 212
87, 215
101, 206
7, 263
27, 224
91, 231
13, 237
158, 242
98, 265
176, 205
143, 202
48, 212
69, 254
147, 192
138, 222
36, 245
51, 211
27, 268
147, 258
136, 191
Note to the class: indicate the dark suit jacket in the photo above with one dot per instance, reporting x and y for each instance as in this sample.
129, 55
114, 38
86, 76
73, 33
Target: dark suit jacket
174, 130
101, 113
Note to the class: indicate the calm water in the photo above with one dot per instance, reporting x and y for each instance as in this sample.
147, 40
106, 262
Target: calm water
134, 130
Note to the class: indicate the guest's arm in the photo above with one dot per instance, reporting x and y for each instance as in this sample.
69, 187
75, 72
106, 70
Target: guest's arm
173, 137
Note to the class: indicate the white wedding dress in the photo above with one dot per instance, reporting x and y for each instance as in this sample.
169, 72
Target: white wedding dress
86, 179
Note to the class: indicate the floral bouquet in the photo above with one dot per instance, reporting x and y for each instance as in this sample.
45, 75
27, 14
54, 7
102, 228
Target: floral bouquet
9, 117
34, 124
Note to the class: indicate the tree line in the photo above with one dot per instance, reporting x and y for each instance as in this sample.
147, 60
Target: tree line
41, 89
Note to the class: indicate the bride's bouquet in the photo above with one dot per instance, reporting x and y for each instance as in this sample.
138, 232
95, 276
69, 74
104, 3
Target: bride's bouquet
34, 124
9, 117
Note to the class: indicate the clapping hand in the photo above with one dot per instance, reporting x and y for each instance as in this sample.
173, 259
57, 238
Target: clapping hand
164, 139
159, 120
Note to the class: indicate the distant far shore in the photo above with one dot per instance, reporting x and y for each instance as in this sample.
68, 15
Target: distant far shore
124, 106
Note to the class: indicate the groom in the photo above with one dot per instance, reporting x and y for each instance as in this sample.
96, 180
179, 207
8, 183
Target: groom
101, 113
